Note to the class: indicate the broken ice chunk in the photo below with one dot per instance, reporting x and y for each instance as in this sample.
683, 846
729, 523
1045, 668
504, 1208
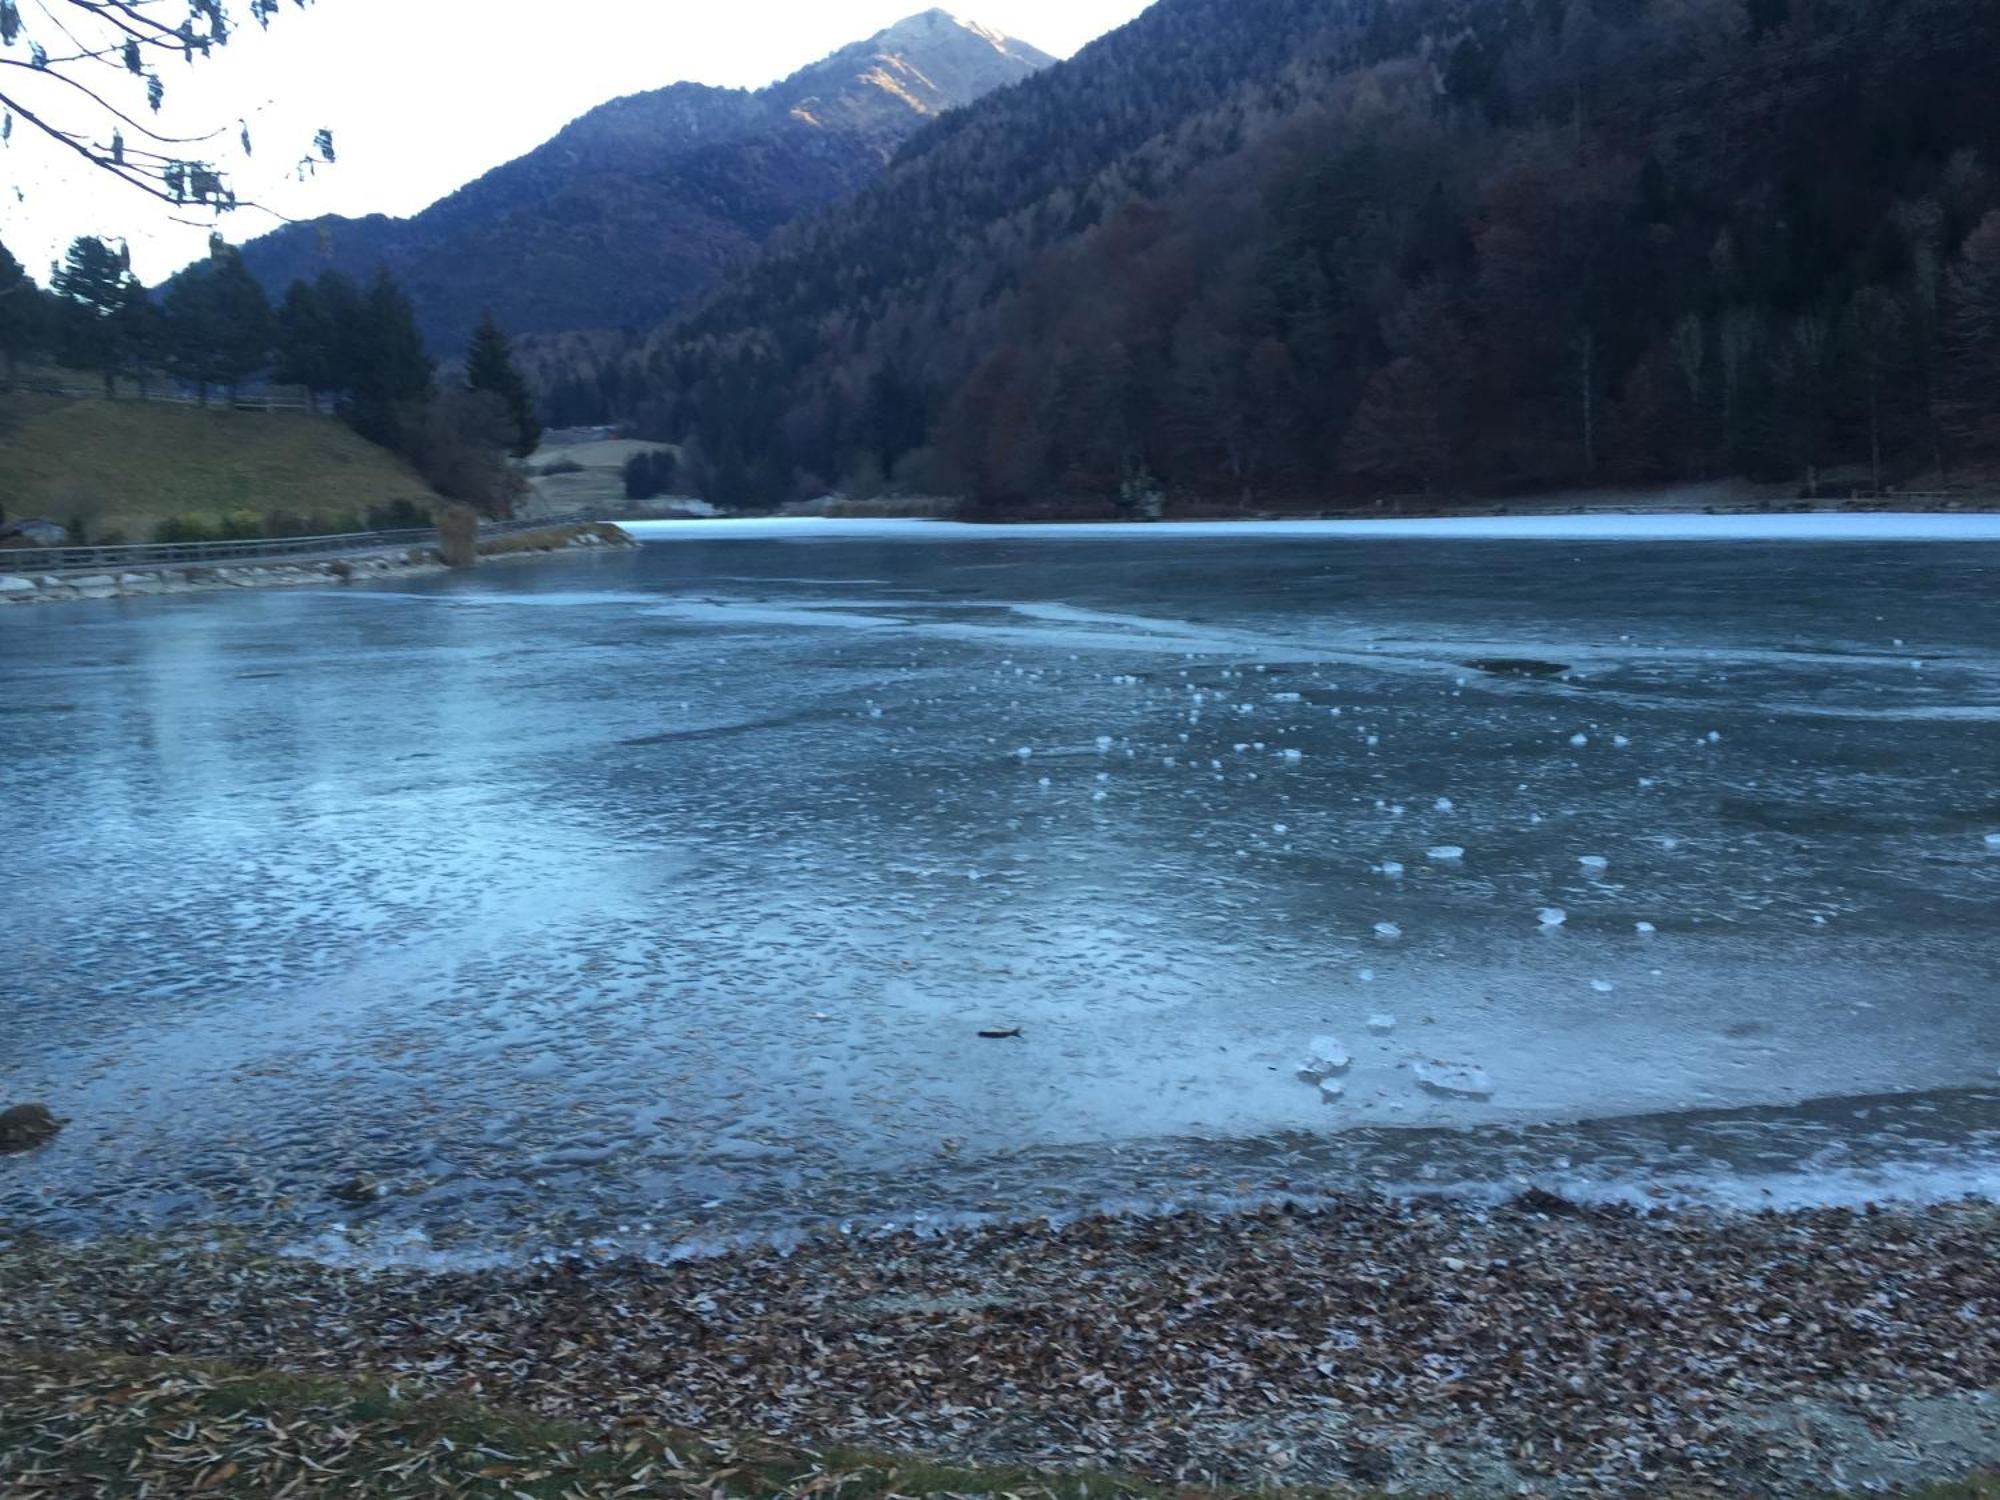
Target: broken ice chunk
1579, 740
1603, 986
1644, 929
1446, 853
1993, 840
1443, 804
1388, 931
1331, 1090
1595, 863
1381, 1025
1324, 1056
1390, 868
1553, 916
1459, 1080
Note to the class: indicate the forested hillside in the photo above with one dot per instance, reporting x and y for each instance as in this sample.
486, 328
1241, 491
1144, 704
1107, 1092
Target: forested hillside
1266, 249
638, 205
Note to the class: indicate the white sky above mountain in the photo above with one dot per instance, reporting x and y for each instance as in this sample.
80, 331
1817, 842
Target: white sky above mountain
425, 96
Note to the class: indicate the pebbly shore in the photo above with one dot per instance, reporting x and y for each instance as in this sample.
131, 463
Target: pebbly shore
154, 581
1420, 1347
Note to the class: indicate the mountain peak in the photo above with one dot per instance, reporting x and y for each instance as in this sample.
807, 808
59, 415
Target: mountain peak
924, 65
928, 28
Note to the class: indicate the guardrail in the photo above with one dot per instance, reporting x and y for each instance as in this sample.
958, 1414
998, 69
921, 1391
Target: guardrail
251, 549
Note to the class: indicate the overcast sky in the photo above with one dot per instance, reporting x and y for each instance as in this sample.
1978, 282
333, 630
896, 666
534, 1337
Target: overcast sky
424, 95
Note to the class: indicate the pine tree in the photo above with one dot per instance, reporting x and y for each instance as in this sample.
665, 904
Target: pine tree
243, 339
1972, 343
191, 327
308, 343
390, 374
22, 328
94, 283
489, 366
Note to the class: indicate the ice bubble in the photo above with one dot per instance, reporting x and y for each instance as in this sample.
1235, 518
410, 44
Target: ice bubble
1287, 698
1098, 795
1381, 1025
1446, 853
1324, 1055
1388, 931
874, 713
1715, 737
1374, 739
1292, 756
1104, 742
1460, 1080
1644, 929
1044, 782
1579, 740
1281, 828
1620, 741
1366, 976
1553, 916
1024, 753
1603, 986
1670, 842
1390, 868
1443, 804
1993, 840
1595, 863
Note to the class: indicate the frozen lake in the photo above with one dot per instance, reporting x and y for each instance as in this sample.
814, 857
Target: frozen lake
663, 895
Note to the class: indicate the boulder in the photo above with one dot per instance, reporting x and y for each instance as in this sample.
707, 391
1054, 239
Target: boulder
26, 1126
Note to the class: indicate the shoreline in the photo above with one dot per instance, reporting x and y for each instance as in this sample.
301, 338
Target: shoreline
152, 581
1579, 526
1540, 1347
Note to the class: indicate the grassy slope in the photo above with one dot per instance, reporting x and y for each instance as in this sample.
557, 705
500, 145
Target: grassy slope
103, 1425
123, 465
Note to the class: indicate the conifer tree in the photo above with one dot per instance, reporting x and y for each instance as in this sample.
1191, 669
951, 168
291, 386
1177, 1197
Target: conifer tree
95, 284
22, 325
390, 372
307, 343
489, 366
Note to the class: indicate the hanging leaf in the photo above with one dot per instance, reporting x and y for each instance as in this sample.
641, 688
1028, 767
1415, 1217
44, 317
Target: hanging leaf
323, 143
132, 62
118, 147
155, 91
245, 136
10, 21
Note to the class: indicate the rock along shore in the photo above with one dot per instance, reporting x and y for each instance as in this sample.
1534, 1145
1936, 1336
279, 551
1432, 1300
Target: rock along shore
1423, 1347
250, 573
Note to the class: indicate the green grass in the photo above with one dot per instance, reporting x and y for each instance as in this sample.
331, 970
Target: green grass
76, 1424
125, 466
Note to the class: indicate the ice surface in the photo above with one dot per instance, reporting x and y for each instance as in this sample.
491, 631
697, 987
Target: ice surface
593, 892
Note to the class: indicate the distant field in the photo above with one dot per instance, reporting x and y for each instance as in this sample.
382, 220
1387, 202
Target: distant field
600, 482
124, 466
